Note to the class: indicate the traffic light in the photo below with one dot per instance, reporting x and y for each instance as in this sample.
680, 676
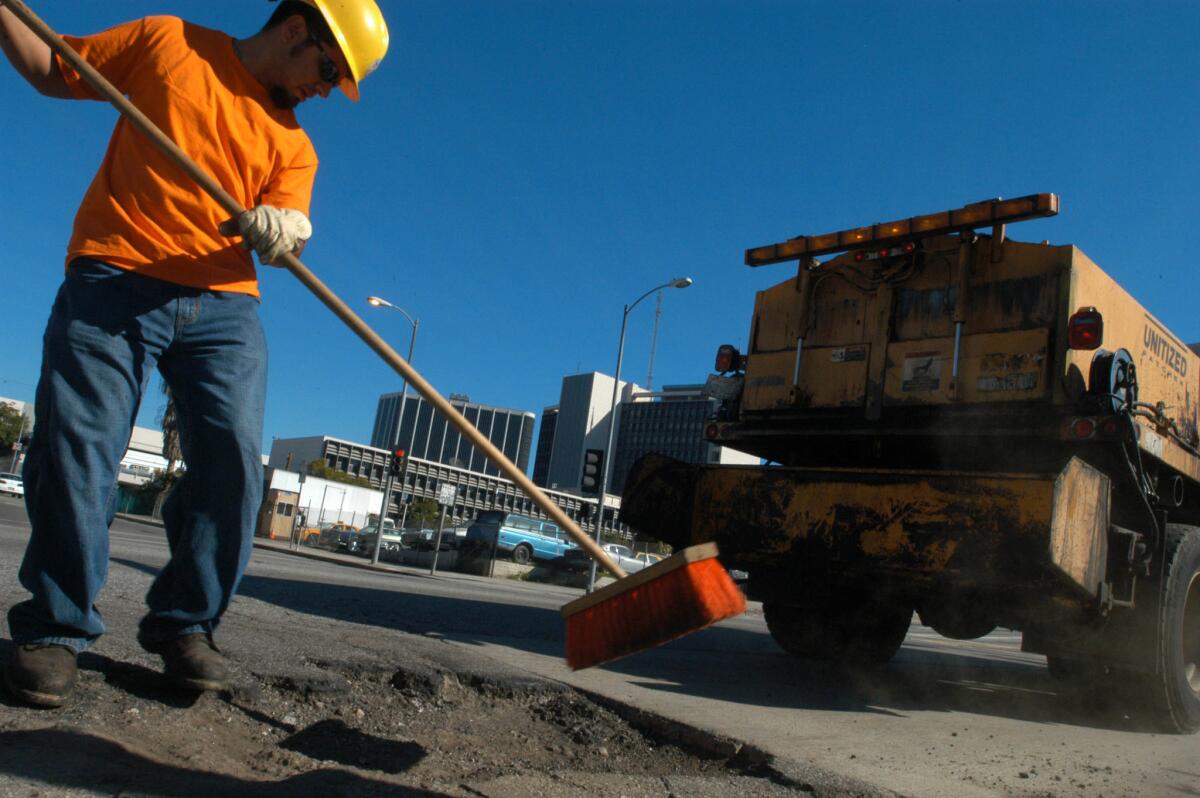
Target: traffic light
396, 467
593, 469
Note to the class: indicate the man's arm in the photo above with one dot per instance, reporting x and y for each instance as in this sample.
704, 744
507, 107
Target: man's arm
30, 56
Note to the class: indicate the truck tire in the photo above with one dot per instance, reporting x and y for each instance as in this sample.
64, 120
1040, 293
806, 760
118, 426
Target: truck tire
1174, 690
862, 635
522, 554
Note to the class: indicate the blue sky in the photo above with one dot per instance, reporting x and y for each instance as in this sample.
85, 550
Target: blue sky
518, 171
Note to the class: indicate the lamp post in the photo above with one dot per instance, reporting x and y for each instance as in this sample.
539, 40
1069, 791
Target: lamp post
380, 302
678, 282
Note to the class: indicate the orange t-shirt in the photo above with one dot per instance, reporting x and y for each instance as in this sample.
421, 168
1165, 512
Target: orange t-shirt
142, 212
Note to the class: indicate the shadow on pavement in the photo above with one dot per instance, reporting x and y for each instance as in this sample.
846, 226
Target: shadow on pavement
915, 681
334, 740
138, 681
97, 763
919, 679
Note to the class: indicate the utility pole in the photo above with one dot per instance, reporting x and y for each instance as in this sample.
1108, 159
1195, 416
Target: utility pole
654, 342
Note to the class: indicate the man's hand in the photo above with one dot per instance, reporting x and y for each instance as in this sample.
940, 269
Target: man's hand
270, 231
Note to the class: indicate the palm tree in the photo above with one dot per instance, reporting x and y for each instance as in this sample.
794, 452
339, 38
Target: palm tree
171, 449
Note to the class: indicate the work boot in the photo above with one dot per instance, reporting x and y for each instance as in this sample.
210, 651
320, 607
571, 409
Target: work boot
41, 674
193, 662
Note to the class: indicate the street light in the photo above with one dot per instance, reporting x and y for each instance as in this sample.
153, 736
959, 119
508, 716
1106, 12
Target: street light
678, 282
380, 302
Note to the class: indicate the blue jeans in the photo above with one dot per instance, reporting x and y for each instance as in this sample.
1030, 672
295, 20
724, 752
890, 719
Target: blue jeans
108, 330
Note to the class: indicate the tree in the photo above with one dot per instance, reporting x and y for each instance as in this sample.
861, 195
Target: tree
12, 425
321, 470
423, 512
171, 451
160, 484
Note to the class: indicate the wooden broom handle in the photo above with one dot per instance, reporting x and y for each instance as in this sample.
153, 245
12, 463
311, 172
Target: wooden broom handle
322, 292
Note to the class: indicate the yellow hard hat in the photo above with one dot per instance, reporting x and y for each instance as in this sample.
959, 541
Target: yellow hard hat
361, 34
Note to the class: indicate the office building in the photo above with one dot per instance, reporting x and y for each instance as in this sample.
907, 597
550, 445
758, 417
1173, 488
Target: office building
426, 435
423, 479
545, 445
581, 424
355, 459
670, 422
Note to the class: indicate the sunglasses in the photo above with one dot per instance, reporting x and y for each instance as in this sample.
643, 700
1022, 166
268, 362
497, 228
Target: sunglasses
329, 71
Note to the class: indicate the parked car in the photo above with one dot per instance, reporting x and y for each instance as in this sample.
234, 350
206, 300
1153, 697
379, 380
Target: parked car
522, 538
12, 483
418, 538
629, 561
350, 541
457, 535
389, 549
340, 538
649, 558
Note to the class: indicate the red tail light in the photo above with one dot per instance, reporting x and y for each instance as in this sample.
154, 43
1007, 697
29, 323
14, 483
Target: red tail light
728, 358
1085, 330
1083, 428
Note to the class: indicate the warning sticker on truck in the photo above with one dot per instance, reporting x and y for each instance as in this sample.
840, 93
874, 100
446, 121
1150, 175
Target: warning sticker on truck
846, 354
1008, 382
922, 371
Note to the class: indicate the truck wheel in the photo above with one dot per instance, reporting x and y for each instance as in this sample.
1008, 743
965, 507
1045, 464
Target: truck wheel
861, 635
1175, 688
522, 554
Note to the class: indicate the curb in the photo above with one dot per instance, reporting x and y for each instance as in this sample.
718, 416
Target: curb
317, 554
260, 543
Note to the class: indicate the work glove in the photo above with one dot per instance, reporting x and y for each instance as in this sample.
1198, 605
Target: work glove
269, 231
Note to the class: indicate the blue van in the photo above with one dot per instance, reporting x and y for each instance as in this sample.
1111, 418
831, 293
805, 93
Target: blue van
520, 537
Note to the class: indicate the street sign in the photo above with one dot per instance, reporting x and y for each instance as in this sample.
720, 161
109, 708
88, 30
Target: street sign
446, 494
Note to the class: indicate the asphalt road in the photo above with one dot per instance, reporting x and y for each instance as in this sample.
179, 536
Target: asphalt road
945, 718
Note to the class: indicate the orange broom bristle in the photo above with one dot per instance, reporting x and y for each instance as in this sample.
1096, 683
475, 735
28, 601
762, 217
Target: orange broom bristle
670, 599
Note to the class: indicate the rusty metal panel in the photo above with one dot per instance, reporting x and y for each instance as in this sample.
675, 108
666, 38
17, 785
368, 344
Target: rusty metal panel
833, 376
775, 326
1015, 303
838, 312
973, 529
769, 380
982, 529
924, 312
1006, 367
829, 377
993, 367
1022, 260
1079, 525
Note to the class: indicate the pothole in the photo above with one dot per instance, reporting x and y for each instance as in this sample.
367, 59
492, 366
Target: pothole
428, 722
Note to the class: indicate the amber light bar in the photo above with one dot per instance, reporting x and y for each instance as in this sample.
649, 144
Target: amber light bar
968, 217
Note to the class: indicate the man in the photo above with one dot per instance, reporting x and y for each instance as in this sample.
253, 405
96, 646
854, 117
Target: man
154, 280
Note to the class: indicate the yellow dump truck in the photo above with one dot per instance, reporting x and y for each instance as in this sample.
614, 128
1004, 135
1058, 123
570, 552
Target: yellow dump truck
988, 432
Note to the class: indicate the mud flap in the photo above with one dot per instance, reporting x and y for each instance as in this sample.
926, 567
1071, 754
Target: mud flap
1079, 526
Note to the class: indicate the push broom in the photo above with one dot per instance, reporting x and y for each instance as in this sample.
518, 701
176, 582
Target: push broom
681, 594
